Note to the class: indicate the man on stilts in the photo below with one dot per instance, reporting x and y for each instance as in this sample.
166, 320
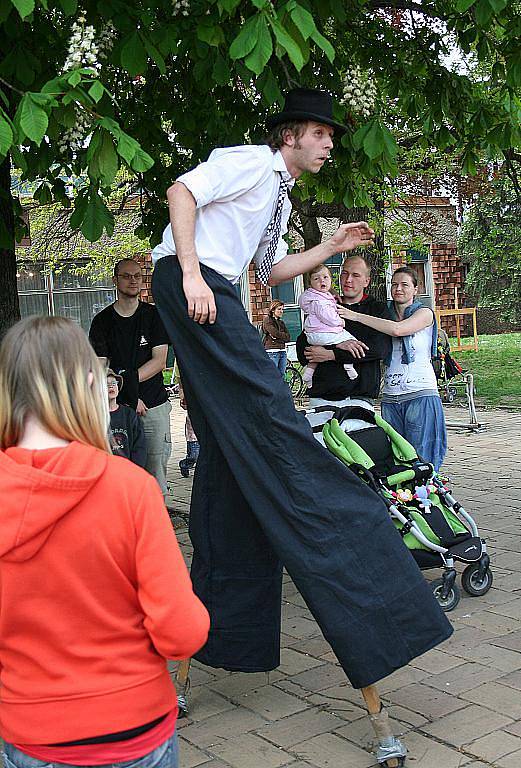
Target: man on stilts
265, 493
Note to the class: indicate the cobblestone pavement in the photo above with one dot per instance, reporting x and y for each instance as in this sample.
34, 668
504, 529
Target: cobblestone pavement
458, 706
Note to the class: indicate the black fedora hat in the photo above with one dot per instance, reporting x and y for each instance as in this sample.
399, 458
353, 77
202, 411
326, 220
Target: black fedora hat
306, 104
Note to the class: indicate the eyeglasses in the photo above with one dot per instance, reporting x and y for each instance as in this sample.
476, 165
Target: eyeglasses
128, 276
112, 383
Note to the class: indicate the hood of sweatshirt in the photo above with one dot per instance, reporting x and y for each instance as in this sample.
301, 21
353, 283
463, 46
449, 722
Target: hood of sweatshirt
39, 487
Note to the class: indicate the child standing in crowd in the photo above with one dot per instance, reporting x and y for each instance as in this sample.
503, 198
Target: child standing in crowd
323, 325
127, 436
192, 444
95, 593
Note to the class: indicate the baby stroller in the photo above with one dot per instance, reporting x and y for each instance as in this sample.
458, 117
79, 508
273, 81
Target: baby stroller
434, 526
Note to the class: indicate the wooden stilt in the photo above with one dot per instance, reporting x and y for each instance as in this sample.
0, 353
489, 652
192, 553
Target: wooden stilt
183, 670
374, 707
181, 684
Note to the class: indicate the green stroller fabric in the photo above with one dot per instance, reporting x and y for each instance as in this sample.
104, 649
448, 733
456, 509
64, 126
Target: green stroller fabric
351, 453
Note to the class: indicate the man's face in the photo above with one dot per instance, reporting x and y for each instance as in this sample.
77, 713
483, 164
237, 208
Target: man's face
128, 280
310, 151
354, 279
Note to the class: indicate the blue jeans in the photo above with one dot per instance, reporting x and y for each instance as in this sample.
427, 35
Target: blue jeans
164, 756
280, 358
422, 422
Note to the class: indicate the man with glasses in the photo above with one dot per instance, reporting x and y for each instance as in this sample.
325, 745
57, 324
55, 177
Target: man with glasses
130, 336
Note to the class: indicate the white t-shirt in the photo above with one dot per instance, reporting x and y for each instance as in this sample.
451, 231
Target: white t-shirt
402, 378
236, 194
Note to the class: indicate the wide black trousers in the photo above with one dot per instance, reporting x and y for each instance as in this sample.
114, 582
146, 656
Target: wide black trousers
266, 493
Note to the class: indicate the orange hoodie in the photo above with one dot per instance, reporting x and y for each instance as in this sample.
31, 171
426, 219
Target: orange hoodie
94, 596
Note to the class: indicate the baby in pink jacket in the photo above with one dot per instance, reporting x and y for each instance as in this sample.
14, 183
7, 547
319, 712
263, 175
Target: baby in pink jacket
323, 325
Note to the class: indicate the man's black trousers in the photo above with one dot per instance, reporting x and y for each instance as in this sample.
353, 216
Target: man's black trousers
266, 494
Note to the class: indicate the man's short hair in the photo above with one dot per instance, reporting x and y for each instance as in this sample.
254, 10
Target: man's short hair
123, 261
275, 138
362, 258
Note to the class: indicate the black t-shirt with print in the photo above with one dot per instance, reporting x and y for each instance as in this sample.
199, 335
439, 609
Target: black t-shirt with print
127, 342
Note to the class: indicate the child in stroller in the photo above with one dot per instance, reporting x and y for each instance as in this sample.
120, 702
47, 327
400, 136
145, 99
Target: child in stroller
434, 526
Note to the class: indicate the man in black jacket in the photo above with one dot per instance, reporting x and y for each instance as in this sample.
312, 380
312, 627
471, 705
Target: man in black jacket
330, 382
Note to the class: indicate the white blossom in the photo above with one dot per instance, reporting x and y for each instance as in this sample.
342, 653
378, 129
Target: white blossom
359, 92
87, 49
181, 7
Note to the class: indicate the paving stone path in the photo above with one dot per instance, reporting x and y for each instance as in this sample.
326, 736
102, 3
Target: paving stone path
458, 706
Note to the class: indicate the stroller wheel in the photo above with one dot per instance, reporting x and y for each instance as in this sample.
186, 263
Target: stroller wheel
449, 602
470, 580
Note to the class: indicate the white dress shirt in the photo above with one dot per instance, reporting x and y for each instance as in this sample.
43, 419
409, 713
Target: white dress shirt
235, 192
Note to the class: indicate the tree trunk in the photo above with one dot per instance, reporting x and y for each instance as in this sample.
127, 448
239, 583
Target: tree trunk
9, 306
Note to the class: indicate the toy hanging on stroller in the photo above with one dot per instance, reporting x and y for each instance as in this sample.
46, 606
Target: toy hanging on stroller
434, 526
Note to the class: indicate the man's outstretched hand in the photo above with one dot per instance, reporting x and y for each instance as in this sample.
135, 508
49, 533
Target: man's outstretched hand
349, 236
200, 299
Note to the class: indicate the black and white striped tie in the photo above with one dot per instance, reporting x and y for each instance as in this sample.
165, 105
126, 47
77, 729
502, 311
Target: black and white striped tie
273, 231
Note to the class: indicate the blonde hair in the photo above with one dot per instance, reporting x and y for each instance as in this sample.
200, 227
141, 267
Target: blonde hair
49, 370
318, 269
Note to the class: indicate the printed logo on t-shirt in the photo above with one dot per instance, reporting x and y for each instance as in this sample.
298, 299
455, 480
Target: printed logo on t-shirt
143, 342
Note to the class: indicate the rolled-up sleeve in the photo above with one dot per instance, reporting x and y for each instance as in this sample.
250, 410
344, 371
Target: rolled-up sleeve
226, 174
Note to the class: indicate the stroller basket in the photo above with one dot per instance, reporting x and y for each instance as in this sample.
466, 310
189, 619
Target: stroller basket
434, 526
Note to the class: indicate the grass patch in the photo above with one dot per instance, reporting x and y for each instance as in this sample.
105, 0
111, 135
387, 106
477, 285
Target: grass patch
496, 367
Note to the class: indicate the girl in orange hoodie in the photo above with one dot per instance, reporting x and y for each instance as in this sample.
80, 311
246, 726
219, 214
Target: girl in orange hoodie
95, 596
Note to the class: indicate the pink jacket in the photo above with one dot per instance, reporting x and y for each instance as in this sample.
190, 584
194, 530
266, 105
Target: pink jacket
321, 311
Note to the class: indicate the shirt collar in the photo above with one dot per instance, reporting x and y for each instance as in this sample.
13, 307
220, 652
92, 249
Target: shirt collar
280, 166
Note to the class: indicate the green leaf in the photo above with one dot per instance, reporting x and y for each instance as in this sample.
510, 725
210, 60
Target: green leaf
97, 218
483, 12
154, 54
69, 6
74, 78
288, 44
245, 40
374, 141
390, 145
24, 7
111, 126
33, 119
80, 206
361, 133
303, 20
134, 56
141, 161
221, 71
498, 5
18, 158
269, 87
464, 5
212, 35
6, 136
263, 49
228, 5
43, 194
104, 162
514, 73
324, 44
96, 91
260, 4
127, 147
